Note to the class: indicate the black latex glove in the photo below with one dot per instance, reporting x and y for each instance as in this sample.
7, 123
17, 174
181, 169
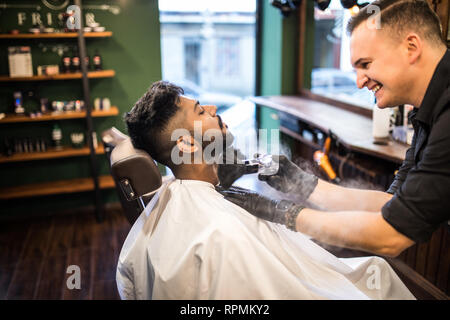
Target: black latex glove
290, 178
278, 211
229, 171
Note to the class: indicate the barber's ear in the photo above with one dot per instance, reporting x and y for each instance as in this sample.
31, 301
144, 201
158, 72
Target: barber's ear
187, 144
414, 46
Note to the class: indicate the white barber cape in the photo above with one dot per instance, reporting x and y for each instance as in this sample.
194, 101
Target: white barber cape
191, 243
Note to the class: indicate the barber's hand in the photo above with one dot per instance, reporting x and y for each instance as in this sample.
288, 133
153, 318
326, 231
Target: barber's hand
278, 211
290, 178
232, 168
229, 173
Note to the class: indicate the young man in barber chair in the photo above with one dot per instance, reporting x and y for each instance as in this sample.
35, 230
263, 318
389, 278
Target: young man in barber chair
191, 243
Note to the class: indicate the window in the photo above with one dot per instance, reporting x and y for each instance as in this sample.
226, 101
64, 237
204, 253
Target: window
192, 58
208, 48
333, 75
227, 63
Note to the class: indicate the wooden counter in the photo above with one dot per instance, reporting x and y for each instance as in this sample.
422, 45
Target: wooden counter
353, 130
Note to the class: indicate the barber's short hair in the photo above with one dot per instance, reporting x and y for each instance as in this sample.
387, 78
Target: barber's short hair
401, 16
149, 118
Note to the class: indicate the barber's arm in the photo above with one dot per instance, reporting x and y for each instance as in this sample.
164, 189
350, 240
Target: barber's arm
361, 230
336, 198
291, 179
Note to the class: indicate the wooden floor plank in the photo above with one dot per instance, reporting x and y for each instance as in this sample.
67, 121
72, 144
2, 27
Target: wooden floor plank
12, 240
62, 237
104, 248
35, 254
53, 273
38, 240
27, 271
13, 237
81, 257
53, 278
6, 274
83, 234
24, 280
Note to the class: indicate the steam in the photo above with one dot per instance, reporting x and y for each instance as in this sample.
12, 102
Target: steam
251, 182
360, 183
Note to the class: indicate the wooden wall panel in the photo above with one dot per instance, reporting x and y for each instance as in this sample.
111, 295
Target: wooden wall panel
421, 258
443, 278
434, 252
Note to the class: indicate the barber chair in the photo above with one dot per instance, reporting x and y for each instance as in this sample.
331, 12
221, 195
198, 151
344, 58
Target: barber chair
135, 173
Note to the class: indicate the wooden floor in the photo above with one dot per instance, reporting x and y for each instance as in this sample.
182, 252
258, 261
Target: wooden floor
34, 256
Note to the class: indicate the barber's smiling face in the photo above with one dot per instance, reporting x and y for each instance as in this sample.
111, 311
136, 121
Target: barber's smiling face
381, 65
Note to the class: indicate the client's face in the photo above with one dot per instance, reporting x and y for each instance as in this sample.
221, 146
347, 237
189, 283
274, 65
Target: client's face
202, 118
205, 114
209, 132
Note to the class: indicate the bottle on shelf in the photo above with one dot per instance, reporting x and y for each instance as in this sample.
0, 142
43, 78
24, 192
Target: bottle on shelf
18, 103
44, 105
57, 137
43, 143
97, 61
76, 67
31, 102
25, 145
7, 148
106, 104
29, 141
18, 148
65, 63
94, 140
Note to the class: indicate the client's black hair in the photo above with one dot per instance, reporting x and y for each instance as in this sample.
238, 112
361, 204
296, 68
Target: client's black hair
150, 116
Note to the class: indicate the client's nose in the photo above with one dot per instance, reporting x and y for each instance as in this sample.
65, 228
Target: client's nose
211, 110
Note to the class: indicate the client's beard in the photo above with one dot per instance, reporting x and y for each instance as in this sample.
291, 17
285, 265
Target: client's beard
213, 150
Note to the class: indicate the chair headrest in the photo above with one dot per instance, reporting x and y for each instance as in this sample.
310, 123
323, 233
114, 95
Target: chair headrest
134, 170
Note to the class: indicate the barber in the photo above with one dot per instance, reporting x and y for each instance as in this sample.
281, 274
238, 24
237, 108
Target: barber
404, 62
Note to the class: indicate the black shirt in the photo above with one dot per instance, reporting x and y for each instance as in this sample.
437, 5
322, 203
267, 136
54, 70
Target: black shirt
421, 188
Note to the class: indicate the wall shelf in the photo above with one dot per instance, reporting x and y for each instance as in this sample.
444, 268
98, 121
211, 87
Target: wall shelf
61, 35
91, 182
51, 153
62, 76
12, 118
55, 187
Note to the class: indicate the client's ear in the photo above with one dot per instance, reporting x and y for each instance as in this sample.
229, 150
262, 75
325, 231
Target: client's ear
187, 144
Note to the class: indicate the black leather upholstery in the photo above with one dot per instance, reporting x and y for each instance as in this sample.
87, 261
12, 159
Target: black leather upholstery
136, 174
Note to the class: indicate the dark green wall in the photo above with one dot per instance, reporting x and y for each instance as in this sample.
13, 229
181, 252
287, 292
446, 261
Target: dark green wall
279, 52
133, 52
308, 50
279, 59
